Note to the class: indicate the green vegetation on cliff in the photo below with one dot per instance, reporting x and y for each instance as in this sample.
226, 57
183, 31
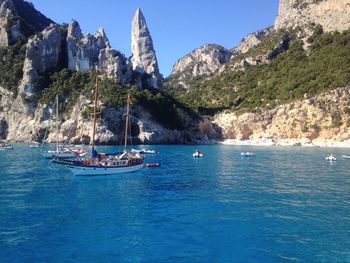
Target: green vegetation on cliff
69, 85
11, 66
287, 77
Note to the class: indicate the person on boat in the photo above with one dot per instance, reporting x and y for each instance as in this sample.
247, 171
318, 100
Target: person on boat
94, 153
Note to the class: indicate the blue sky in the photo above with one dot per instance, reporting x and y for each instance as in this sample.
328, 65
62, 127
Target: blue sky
177, 27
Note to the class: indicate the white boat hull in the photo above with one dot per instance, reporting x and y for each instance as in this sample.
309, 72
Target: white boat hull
6, 148
247, 154
103, 170
143, 151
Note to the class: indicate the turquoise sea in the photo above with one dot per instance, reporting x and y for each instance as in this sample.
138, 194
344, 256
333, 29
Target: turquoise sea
287, 204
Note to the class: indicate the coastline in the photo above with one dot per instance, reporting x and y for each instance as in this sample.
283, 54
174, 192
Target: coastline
288, 142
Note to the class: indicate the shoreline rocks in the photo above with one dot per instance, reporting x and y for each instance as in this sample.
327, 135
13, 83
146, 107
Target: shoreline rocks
325, 117
287, 142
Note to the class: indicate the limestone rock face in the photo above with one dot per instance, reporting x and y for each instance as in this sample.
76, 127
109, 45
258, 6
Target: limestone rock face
19, 20
261, 58
83, 51
24, 118
323, 117
9, 31
202, 61
115, 64
251, 40
144, 58
331, 14
43, 53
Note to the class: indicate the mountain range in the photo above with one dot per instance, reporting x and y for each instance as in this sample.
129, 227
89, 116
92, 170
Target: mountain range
272, 81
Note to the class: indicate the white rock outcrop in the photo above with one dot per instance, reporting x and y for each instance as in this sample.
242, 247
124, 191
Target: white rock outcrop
144, 59
9, 30
115, 64
83, 51
322, 117
42, 54
251, 40
202, 61
19, 20
331, 14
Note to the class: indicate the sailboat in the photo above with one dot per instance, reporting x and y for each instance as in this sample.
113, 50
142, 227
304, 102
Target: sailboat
98, 164
63, 153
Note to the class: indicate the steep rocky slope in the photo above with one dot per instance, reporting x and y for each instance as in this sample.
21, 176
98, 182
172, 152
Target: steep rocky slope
323, 117
331, 14
203, 62
19, 20
199, 63
251, 41
51, 59
306, 53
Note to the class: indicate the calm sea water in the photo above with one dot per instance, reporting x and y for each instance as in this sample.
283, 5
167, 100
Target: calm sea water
284, 205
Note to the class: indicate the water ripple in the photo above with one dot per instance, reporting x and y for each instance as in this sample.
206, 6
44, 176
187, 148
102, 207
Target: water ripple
285, 204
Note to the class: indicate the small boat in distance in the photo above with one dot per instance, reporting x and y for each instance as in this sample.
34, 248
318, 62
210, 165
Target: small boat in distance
346, 156
5, 146
247, 154
197, 154
331, 158
152, 165
60, 151
143, 151
34, 145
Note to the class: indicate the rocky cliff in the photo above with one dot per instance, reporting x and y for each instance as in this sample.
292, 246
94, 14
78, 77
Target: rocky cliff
200, 63
19, 20
278, 65
331, 14
89, 52
59, 59
323, 117
83, 51
144, 58
22, 114
251, 41
42, 54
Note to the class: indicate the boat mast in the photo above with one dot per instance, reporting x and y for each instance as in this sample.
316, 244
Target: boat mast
56, 123
127, 121
95, 107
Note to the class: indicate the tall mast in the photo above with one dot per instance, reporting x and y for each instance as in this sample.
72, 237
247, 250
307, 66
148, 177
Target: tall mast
127, 121
95, 107
57, 123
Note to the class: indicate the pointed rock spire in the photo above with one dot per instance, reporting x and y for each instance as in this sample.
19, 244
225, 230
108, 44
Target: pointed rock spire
144, 58
74, 31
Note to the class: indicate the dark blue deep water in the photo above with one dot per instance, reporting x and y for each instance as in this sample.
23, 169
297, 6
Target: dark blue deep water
284, 205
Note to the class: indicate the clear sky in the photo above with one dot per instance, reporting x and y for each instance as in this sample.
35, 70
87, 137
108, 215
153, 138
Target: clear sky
177, 26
